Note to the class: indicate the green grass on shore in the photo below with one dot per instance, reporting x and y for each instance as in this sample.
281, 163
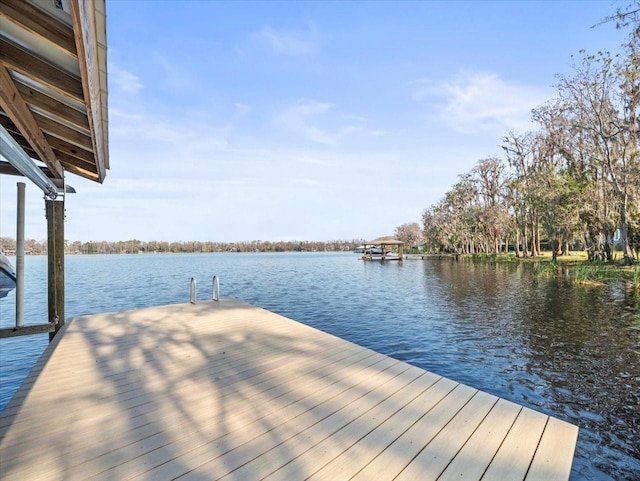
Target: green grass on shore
585, 272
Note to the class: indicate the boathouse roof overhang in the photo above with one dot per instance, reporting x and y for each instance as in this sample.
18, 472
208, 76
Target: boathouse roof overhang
53, 88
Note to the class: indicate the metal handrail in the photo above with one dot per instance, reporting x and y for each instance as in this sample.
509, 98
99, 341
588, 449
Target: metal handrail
193, 289
215, 290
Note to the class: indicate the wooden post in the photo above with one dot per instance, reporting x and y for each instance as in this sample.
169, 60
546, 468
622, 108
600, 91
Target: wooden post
55, 245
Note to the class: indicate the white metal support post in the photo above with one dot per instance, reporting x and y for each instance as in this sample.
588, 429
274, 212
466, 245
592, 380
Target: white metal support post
20, 257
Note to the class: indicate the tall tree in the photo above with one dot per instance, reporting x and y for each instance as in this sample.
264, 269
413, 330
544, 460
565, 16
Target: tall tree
523, 155
492, 216
603, 98
410, 234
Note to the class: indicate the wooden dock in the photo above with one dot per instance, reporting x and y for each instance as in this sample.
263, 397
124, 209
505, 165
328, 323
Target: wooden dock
230, 391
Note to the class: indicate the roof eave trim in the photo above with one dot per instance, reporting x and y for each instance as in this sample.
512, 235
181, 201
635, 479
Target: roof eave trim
85, 30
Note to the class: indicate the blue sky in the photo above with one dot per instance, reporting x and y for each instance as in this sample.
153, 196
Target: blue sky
234, 121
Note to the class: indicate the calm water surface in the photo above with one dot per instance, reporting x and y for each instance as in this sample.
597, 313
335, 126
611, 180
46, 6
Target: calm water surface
573, 352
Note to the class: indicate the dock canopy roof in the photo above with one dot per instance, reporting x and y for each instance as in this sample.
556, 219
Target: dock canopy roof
53, 88
387, 241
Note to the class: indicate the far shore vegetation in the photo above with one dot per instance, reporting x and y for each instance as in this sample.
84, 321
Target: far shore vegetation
576, 264
134, 246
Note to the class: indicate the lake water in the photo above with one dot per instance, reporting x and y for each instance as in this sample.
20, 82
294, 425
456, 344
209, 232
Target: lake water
572, 352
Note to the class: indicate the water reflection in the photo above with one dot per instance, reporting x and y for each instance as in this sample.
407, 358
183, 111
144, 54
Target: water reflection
569, 351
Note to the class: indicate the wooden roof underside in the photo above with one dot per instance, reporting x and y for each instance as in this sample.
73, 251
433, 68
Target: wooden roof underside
53, 84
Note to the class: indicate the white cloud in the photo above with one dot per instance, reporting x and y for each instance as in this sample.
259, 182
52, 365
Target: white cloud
191, 134
351, 129
124, 116
174, 75
379, 133
307, 183
475, 102
319, 122
297, 119
242, 109
311, 159
288, 43
124, 80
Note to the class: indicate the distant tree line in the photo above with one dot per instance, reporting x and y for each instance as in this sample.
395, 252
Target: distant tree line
573, 180
134, 246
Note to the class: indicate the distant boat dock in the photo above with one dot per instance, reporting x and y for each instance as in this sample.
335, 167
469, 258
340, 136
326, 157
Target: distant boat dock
226, 390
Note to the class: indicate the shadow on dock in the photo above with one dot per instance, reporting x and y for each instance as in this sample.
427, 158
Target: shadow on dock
228, 390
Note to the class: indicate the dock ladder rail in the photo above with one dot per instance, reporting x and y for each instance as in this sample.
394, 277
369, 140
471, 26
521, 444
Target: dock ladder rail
193, 291
215, 290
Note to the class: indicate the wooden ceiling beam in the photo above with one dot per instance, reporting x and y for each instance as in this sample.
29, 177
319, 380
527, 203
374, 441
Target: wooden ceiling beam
32, 67
72, 163
7, 169
70, 156
59, 145
15, 133
87, 174
31, 18
50, 105
6, 122
12, 103
63, 132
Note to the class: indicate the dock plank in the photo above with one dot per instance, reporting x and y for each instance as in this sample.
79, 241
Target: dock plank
432, 460
483, 444
514, 455
335, 430
546, 465
404, 449
231, 391
356, 457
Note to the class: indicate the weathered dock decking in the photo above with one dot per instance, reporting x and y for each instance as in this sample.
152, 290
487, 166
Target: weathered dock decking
230, 391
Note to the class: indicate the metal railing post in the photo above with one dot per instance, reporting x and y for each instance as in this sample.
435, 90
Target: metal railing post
193, 294
215, 294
